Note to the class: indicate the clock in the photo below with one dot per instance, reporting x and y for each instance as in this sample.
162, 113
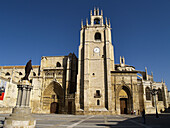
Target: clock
96, 50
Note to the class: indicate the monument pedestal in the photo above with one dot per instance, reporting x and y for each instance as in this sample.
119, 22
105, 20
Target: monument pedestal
21, 115
20, 118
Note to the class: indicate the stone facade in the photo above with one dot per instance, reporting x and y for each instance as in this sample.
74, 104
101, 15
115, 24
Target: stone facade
90, 84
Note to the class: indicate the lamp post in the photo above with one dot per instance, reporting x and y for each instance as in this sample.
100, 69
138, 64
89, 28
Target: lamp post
154, 92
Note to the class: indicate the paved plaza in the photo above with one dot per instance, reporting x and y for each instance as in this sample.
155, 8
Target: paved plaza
93, 121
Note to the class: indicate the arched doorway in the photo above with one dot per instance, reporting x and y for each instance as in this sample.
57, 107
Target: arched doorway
124, 100
54, 107
53, 98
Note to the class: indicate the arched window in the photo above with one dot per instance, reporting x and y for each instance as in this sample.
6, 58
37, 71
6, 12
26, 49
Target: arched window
58, 64
97, 92
7, 74
160, 95
148, 93
34, 74
98, 102
20, 73
97, 21
97, 36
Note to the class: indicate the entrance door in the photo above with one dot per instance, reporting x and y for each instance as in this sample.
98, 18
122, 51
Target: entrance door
54, 107
123, 105
69, 107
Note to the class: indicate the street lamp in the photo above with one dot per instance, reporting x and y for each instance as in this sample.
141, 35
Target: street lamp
154, 92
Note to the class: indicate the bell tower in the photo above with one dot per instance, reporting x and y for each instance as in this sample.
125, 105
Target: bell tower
96, 61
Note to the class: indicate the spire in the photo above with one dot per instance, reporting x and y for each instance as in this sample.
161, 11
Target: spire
120, 60
146, 70
94, 11
109, 23
123, 60
146, 73
87, 21
81, 23
0, 71
101, 12
91, 12
106, 21
98, 11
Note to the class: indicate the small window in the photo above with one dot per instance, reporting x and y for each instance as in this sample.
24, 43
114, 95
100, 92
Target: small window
97, 36
148, 93
97, 21
53, 96
20, 73
34, 74
98, 102
58, 64
97, 92
93, 74
160, 95
7, 74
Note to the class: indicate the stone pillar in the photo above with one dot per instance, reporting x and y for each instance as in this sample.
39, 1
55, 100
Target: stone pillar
28, 95
19, 95
21, 116
24, 96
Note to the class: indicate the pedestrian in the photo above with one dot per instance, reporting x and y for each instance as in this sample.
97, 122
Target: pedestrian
135, 112
143, 116
138, 112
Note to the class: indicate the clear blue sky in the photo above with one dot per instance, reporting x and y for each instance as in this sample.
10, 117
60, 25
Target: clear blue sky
30, 29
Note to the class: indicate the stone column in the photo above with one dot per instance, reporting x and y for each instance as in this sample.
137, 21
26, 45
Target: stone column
28, 95
24, 96
19, 95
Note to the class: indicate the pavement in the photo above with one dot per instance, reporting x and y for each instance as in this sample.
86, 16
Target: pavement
95, 121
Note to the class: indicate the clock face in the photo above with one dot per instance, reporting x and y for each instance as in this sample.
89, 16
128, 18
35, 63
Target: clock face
96, 50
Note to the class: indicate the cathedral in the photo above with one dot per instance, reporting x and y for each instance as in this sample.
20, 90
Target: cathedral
92, 84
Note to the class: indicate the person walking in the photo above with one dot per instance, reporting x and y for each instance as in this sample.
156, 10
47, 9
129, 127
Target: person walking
143, 116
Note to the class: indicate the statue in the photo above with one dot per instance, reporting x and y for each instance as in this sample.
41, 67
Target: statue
28, 69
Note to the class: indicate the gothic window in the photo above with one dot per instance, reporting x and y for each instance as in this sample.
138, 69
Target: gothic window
58, 64
160, 95
148, 94
97, 21
7, 74
97, 36
98, 102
